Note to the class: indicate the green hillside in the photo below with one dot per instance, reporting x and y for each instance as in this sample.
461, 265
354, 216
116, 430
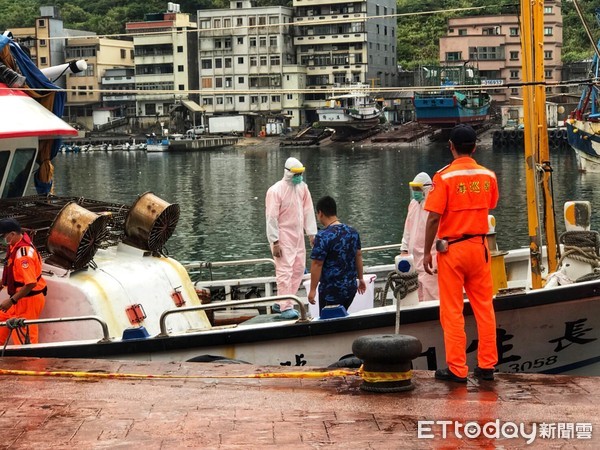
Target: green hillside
418, 33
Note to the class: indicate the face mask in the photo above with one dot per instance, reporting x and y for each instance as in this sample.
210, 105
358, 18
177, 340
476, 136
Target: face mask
297, 179
417, 195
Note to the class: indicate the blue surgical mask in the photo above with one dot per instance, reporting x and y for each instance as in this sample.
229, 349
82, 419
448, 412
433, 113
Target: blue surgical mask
417, 195
297, 179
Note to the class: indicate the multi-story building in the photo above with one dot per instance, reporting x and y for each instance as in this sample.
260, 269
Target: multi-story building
83, 88
247, 61
165, 63
46, 40
493, 44
118, 87
343, 42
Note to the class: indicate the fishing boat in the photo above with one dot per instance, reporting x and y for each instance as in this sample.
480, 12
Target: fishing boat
447, 99
350, 113
583, 125
114, 293
156, 143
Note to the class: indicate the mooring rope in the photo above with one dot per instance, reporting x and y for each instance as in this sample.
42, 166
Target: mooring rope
401, 285
582, 246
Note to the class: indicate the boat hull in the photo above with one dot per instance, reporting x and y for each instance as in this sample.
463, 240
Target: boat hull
156, 148
340, 119
584, 138
446, 111
545, 331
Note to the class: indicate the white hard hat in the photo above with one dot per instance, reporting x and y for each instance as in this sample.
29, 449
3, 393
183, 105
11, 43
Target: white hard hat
294, 166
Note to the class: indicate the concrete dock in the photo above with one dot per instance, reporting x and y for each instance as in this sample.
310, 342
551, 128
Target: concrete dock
194, 408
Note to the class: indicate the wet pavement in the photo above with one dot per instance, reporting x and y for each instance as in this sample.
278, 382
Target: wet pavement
204, 411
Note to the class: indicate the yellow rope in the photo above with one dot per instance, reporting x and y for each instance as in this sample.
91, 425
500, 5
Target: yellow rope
370, 377
383, 377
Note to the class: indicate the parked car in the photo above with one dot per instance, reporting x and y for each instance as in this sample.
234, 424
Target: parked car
198, 129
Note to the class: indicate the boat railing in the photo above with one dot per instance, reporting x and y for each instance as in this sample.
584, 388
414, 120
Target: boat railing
163, 317
106, 335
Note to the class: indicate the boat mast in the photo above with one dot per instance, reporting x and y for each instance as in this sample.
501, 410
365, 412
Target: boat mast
537, 157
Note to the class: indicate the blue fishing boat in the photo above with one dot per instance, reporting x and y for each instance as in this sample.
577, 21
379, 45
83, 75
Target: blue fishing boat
446, 100
583, 125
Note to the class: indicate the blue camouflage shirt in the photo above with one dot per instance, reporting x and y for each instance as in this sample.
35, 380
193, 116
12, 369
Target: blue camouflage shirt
336, 246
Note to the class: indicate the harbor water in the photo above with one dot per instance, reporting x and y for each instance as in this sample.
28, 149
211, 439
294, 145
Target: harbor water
222, 192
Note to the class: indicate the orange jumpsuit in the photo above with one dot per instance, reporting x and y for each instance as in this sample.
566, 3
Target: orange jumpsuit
26, 267
463, 193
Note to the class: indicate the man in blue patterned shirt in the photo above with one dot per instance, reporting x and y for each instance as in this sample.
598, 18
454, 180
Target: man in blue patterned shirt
336, 259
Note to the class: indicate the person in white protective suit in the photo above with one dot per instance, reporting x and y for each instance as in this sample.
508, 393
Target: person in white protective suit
289, 213
413, 238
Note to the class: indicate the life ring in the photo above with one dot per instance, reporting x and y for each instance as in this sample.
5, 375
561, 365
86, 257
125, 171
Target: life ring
262, 133
216, 359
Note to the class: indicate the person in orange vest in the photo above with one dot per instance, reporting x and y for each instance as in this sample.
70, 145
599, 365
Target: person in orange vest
22, 277
458, 204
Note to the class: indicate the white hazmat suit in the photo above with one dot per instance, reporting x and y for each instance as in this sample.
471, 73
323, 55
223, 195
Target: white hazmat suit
413, 239
289, 213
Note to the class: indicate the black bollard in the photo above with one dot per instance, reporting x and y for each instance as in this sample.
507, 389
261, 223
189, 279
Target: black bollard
387, 361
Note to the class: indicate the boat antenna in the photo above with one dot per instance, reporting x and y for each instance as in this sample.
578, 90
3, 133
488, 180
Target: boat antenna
586, 27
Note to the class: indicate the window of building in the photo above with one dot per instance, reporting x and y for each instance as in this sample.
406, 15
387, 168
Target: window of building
513, 31
262, 20
180, 68
275, 60
490, 31
514, 56
263, 41
240, 41
219, 100
228, 82
462, 31
547, 9
358, 58
227, 22
385, 10
377, 29
263, 60
217, 23
206, 63
486, 53
240, 60
548, 73
218, 43
229, 100
273, 20
239, 5
150, 109
252, 21
547, 54
253, 61
228, 43
453, 56
131, 54
239, 22
290, 96
254, 99
41, 23
218, 82
180, 49
218, 63
205, 24
43, 42
514, 74
376, 10
241, 99
252, 42
228, 63
385, 30
273, 41
207, 82
43, 60
547, 31
207, 100
276, 98
264, 98
241, 80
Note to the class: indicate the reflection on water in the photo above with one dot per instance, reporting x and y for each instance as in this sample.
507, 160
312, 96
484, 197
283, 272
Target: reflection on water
222, 192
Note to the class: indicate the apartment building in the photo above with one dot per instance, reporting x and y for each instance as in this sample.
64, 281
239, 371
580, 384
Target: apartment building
493, 44
343, 42
83, 88
165, 46
118, 90
46, 40
247, 61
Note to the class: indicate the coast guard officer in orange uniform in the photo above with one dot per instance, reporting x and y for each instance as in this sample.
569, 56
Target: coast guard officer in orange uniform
22, 277
462, 195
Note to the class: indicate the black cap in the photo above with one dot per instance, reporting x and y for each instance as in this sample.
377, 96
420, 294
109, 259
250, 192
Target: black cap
463, 134
8, 225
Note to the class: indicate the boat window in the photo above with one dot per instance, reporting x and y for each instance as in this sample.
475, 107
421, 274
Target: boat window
18, 173
4, 155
